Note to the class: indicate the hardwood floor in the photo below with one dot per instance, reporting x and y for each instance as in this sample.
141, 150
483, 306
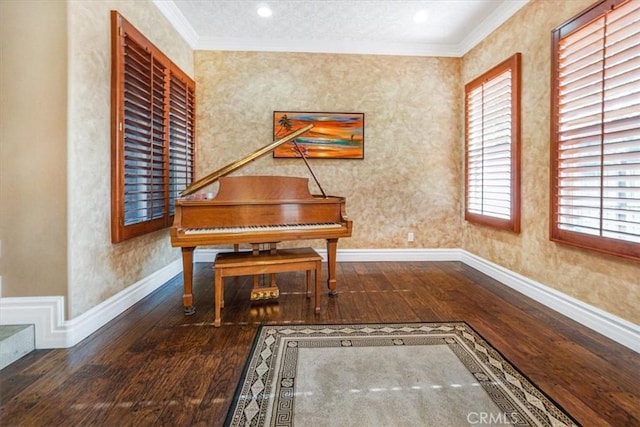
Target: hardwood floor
154, 366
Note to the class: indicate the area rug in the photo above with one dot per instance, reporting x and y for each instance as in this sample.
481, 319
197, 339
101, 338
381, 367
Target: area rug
410, 374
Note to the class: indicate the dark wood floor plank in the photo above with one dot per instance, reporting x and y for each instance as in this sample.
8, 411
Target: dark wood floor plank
58, 367
21, 380
154, 366
215, 403
189, 391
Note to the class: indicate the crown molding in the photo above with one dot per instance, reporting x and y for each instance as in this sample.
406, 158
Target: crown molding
326, 46
178, 21
490, 24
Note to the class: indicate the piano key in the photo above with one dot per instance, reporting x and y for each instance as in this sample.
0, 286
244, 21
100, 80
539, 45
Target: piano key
277, 227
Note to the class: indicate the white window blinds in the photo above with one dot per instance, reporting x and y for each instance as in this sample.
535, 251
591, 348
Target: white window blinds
492, 148
597, 130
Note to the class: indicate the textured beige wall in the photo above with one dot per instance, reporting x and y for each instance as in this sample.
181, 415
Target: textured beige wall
98, 269
33, 129
410, 179
410, 174
55, 157
609, 283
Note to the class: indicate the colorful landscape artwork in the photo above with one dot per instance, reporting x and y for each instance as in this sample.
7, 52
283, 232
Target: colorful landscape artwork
333, 136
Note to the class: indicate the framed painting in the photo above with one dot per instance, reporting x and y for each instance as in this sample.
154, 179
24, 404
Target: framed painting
333, 136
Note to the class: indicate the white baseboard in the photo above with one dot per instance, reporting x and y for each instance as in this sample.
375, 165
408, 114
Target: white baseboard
364, 255
47, 313
52, 331
613, 327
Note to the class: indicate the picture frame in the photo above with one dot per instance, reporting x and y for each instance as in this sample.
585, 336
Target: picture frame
334, 135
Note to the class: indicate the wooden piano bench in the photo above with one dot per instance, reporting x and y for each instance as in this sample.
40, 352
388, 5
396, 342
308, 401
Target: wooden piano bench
246, 263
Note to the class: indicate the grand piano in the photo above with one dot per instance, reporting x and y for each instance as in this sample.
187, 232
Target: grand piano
256, 210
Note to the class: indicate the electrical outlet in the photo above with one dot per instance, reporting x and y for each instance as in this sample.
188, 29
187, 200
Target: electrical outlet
410, 237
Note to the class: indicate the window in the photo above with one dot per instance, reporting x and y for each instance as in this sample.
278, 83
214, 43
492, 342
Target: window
153, 124
595, 134
492, 147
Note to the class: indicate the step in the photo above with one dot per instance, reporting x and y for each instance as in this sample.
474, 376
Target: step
15, 341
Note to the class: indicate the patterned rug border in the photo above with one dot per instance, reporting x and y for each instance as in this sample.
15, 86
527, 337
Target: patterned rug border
569, 421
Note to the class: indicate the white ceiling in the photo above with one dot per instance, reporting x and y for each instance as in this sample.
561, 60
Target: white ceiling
383, 27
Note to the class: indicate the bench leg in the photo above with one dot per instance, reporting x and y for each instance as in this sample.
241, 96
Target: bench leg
217, 298
318, 274
308, 283
222, 293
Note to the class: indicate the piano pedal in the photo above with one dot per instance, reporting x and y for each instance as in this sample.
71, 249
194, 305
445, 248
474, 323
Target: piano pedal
265, 293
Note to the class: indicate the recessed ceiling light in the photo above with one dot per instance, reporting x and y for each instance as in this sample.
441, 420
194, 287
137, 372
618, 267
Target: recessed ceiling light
264, 11
421, 16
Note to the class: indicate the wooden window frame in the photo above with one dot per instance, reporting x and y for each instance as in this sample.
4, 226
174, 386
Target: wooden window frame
561, 234
154, 139
512, 223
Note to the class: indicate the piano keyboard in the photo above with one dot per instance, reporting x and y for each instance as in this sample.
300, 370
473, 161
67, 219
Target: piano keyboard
259, 228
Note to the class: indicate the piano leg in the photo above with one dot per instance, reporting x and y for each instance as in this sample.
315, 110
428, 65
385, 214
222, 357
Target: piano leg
187, 272
332, 249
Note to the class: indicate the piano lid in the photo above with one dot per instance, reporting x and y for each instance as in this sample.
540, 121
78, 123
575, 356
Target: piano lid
212, 177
